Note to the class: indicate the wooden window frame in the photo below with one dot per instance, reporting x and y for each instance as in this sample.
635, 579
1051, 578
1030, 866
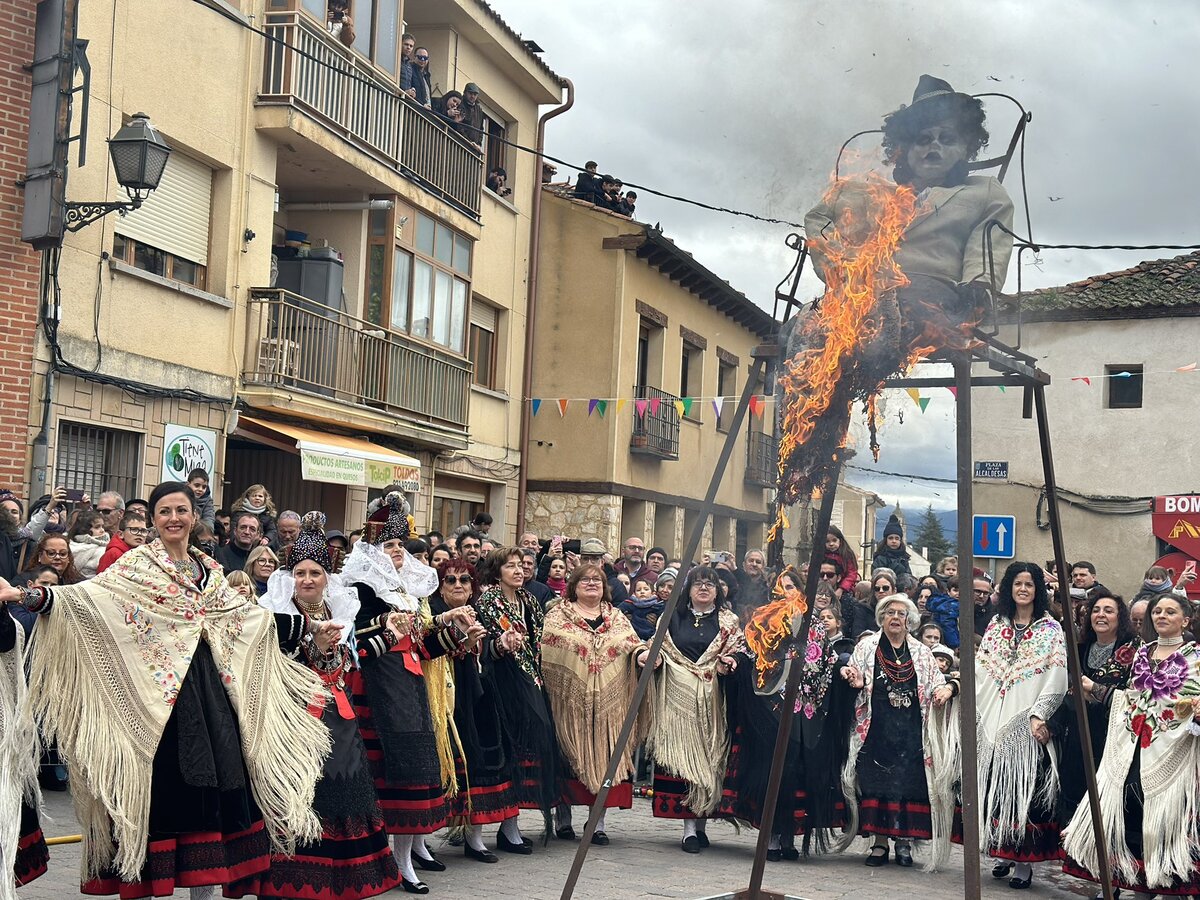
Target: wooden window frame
492, 355
125, 251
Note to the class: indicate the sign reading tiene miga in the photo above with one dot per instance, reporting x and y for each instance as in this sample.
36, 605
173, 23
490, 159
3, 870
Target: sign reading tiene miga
332, 469
997, 469
185, 449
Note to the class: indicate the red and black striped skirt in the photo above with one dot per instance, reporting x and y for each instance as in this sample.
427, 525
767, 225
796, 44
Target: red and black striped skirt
33, 855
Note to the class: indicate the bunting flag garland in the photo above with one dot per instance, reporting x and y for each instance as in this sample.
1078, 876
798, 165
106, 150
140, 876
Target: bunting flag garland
601, 406
923, 402
687, 406
1002, 389
915, 394
654, 404
757, 404
640, 407
717, 403
678, 404
535, 404
953, 392
592, 404
1190, 367
1085, 379
621, 405
562, 407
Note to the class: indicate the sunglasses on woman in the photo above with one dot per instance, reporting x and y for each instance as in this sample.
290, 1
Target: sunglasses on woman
457, 579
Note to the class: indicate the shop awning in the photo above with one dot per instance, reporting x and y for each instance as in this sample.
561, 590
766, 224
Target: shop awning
336, 459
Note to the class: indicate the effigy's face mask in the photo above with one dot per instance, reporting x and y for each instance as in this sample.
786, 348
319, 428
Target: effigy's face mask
937, 150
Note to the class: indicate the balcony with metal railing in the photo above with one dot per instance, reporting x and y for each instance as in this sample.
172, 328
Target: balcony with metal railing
762, 459
656, 431
297, 344
307, 68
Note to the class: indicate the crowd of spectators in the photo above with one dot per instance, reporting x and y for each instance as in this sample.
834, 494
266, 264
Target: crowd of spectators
605, 191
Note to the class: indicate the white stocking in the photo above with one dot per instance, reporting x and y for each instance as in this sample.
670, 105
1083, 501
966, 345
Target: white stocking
689, 828
600, 823
511, 829
403, 853
474, 837
774, 842
1023, 871
419, 847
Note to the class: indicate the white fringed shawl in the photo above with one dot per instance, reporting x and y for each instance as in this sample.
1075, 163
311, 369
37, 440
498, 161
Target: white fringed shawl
18, 759
1013, 681
402, 589
343, 602
938, 758
689, 736
1153, 712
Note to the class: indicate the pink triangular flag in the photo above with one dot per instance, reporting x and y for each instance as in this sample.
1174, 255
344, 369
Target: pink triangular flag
953, 391
1190, 367
562, 406
1084, 379
654, 404
640, 407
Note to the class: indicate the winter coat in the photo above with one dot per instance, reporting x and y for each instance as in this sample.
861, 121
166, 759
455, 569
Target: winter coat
856, 617
115, 550
896, 560
943, 610
86, 551
206, 510
850, 578
266, 524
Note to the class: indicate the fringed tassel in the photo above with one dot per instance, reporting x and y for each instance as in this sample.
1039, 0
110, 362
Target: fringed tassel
943, 750
18, 758
441, 712
286, 751
689, 738
1009, 769
850, 793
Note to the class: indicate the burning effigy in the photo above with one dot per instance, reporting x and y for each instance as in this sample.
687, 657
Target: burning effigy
908, 271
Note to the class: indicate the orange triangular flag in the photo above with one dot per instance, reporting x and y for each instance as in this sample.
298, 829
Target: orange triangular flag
562, 406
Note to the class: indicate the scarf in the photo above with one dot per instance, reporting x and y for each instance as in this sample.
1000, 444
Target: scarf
938, 760
590, 677
1154, 715
247, 506
1016, 677
105, 671
558, 585
18, 757
689, 736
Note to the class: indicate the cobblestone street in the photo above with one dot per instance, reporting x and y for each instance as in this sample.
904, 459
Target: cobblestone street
643, 860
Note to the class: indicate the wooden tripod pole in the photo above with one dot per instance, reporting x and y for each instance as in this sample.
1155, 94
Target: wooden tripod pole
761, 354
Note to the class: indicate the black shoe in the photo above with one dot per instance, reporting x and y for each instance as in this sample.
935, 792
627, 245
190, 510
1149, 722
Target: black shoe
522, 849
433, 864
1020, 884
691, 844
600, 838
904, 855
703, 839
876, 859
566, 833
774, 855
1116, 894
791, 854
413, 887
1002, 869
484, 856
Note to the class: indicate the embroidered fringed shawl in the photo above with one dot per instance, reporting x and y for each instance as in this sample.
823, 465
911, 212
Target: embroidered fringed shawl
1015, 677
439, 688
18, 759
937, 758
1153, 713
106, 668
590, 679
689, 736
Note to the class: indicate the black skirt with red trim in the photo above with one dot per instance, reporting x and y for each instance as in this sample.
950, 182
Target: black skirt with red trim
205, 826
33, 856
397, 730
353, 858
893, 791
620, 796
904, 819
485, 798
669, 794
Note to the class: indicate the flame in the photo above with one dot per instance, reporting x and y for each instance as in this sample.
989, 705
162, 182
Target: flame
770, 626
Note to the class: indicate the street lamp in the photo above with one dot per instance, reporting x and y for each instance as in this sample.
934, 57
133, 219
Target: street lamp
139, 156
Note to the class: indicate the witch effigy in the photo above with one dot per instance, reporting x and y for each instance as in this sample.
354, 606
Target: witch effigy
909, 269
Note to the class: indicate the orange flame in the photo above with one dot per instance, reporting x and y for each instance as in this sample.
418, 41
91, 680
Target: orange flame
771, 624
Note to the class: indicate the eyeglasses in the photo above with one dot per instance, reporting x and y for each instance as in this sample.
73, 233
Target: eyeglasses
56, 554
704, 585
829, 574
139, 532
105, 512
884, 589
591, 579
981, 593
457, 579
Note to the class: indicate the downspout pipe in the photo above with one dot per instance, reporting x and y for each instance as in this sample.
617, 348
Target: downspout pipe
535, 253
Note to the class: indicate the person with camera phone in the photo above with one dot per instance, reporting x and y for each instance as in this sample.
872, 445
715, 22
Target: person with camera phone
341, 26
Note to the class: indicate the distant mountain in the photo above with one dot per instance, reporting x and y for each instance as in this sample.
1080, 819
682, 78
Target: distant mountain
947, 517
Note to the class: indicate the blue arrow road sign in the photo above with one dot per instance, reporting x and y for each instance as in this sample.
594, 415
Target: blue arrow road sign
993, 537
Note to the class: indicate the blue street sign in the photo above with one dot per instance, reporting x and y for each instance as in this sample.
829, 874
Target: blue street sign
993, 537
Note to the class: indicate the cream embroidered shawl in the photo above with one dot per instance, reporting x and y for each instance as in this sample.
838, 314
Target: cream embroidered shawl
18, 758
106, 668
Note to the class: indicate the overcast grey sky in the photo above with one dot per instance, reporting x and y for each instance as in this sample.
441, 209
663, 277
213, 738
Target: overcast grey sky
745, 106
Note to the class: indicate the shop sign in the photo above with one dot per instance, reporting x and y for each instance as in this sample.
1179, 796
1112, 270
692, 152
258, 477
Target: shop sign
381, 474
1176, 520
186, 448
332, 468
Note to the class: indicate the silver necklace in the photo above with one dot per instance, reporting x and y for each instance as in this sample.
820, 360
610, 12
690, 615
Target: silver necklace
187, 567
1170, 642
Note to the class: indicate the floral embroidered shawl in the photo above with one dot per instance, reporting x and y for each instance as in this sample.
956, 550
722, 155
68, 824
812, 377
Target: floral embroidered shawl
929, 679
690, 736
1150, 717
590, 679
495, 613
106, 668
1016, 676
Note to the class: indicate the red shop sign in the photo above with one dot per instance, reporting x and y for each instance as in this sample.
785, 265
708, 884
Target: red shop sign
1176, 520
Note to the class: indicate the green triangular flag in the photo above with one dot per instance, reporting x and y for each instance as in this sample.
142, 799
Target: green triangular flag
924, 401
687, 406
601, 406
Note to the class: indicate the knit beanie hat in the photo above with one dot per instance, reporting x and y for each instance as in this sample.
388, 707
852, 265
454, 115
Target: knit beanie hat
893, 527
669, 572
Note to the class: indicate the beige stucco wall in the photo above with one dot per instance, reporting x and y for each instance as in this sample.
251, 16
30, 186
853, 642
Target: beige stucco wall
1143, 452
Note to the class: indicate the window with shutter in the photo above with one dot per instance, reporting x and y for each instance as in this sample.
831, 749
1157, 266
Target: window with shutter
95, 460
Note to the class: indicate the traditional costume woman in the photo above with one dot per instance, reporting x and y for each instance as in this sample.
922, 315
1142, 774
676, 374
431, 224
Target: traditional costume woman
890, 777
809, 800
483, 765
188, 736
388, 688
513, 667
589, 659
23, 850
1020, 680
352, 859
1149, 780
689, 737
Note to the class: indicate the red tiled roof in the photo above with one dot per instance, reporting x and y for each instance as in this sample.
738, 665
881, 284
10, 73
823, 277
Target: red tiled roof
1173, 282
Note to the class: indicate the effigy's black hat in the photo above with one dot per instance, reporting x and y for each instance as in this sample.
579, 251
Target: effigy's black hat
933, 98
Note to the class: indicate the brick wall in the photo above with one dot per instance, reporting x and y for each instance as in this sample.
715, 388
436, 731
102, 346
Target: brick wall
20, 266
